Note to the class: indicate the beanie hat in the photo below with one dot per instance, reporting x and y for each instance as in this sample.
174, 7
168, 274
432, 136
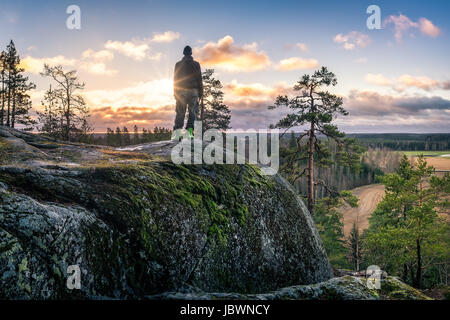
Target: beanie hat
187, 51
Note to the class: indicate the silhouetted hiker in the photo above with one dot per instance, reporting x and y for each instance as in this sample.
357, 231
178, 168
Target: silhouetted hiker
187, 89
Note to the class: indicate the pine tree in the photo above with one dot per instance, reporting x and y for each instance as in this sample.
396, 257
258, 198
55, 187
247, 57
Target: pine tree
216, 114
50, 118
354, 244
126, 139
136, 135
118, 138
316, 108
3, 71
15, 87
405, 233
110, 139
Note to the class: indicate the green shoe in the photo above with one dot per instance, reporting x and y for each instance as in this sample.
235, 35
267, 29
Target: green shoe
191, 133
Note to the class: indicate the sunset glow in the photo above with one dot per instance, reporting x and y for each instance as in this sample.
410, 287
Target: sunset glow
126, 57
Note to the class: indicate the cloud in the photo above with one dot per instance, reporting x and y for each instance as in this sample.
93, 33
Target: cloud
149, 94
98, 55
370, 103
109, 117
167, 36
98, 68
424, 83
231, 57
428, 28
36, 65
296, 63
135, 49
369, 112
248, 103
94, 62
374, 112
352, 40
402, 24
91, 61
303, 47
245, 92
377, 79
146, 103
408, 81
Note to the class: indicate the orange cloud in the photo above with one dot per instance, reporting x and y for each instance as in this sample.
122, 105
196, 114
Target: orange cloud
36, 65
407, 81
418, 82
241, 90
296, 63
151, 94
231, 57
128, 116
167, 36
377, 79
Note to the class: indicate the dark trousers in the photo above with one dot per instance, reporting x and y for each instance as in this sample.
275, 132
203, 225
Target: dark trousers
185, 98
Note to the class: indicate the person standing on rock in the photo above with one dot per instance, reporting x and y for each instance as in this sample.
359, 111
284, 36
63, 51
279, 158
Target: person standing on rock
187, 89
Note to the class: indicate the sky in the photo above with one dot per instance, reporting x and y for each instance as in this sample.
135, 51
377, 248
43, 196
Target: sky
392, 79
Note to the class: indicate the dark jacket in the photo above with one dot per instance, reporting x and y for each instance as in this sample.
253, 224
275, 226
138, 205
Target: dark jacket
187, 75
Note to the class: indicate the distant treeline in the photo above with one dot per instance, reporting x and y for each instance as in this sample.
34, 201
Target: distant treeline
123, 137
405, 141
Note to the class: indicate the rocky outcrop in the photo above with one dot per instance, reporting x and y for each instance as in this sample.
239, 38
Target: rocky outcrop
138, 225
341, 288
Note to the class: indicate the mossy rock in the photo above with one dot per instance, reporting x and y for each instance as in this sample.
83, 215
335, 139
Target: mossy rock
393, 288
139, 225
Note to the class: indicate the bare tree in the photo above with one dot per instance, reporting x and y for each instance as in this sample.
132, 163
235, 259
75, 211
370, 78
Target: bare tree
73, 107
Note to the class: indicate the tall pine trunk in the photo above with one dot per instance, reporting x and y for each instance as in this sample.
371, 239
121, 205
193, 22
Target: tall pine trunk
68, 116
2, 114
9, 104
311, 170
13, 111
418, 282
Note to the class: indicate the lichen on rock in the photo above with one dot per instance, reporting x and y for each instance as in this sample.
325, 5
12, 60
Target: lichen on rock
139, 225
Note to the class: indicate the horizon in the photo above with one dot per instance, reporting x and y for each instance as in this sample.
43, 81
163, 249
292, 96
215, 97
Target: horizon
126, 53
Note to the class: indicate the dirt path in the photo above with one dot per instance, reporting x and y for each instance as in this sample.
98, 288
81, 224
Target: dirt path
369, 197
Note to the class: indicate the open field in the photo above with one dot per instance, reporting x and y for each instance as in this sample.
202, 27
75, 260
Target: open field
369, 196
440, 163
426, 153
